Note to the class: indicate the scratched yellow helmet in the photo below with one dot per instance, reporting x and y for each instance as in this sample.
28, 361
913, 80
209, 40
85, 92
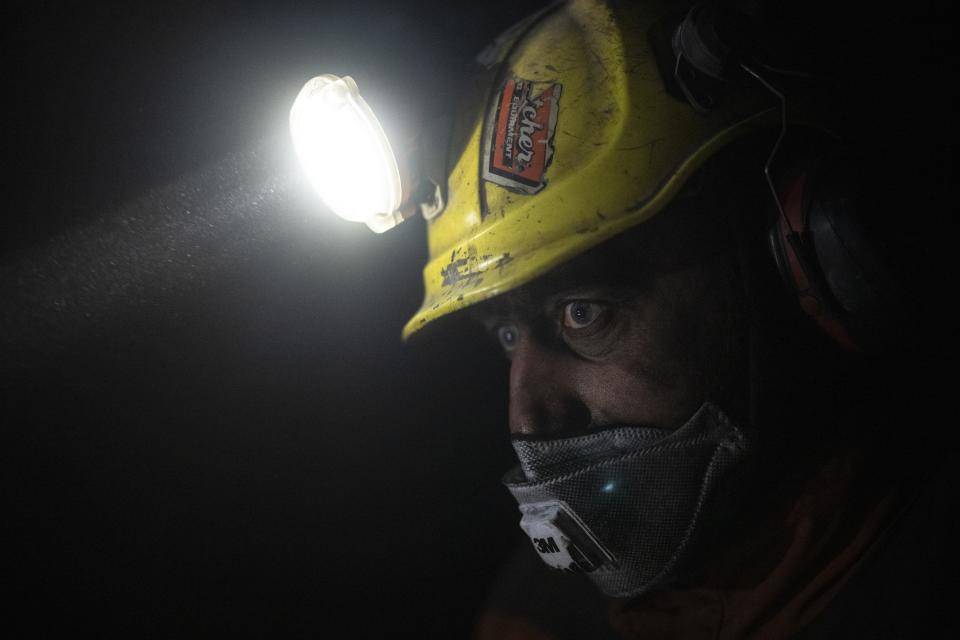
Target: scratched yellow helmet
569, 137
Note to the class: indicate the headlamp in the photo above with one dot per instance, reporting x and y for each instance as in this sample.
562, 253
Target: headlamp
345, 152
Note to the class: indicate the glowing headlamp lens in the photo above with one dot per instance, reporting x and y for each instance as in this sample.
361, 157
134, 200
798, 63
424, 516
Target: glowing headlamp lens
345, 153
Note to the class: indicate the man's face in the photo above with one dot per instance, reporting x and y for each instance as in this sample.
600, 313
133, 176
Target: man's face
639, 331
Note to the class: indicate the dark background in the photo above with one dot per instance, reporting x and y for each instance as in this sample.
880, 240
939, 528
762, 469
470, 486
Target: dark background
210, 424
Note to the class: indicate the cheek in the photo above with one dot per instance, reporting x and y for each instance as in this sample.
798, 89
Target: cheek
625, 397
666, 364
638, 387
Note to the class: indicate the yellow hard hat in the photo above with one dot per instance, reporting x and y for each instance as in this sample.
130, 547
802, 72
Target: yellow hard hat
570, 137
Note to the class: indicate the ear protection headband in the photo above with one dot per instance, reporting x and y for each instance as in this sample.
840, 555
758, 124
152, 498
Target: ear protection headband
819, 242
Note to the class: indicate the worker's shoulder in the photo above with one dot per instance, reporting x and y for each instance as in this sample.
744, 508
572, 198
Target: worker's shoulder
904, 589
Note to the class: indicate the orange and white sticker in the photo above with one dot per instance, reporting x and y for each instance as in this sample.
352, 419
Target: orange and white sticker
520, 143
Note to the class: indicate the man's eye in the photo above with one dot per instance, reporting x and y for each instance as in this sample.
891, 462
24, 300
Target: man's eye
507, 335
580, 315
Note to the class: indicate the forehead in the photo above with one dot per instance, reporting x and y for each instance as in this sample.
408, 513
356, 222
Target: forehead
626, 265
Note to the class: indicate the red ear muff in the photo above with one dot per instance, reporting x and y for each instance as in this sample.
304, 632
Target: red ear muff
838, 239
792, 245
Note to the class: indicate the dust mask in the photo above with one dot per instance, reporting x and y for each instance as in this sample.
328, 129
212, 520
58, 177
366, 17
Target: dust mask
625, 504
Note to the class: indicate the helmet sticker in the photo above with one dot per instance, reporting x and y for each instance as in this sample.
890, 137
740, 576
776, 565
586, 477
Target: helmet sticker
519, 146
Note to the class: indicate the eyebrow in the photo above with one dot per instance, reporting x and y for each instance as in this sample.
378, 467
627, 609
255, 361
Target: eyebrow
529, 304
588, 290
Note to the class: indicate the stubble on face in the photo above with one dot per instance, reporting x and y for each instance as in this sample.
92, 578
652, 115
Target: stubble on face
671, 337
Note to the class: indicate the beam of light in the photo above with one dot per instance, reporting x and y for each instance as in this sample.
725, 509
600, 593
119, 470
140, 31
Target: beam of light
140, 256
345, 153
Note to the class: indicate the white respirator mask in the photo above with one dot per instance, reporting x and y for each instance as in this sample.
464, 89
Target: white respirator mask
624, 505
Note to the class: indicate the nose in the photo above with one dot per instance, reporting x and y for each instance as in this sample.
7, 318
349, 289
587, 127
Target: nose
544, 399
